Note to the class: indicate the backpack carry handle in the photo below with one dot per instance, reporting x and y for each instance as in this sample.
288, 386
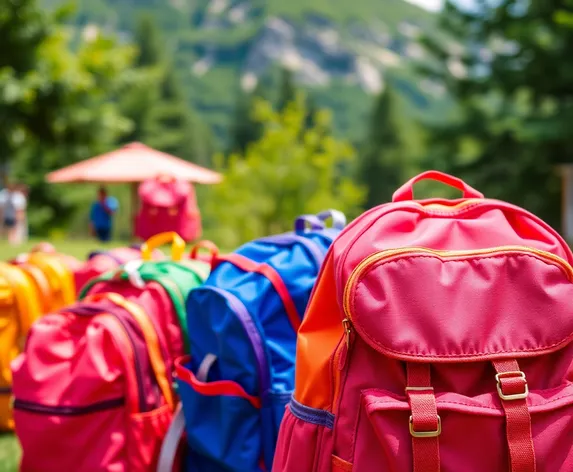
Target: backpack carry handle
177, 245
211, 248
406, 191
304, 221
338, 218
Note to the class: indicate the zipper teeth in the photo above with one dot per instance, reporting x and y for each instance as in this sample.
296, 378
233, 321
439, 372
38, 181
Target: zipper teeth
57, 410
381, 255
457, 206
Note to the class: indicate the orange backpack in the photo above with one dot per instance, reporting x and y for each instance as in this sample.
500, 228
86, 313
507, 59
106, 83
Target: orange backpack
19, 308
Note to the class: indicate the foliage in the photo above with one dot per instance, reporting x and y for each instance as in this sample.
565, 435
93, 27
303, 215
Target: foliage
56, 100
289, 171
513, 82
159, 108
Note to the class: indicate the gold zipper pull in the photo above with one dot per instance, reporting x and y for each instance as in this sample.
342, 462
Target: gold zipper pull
347, 330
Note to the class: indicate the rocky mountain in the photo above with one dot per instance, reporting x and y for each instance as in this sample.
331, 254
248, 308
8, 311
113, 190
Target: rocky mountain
342, 51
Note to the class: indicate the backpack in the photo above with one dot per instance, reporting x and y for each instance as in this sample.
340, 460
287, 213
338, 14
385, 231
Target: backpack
19, 308
168, 204
100, 262
91, 390
160, 286
438, 339
243, 323
57, 272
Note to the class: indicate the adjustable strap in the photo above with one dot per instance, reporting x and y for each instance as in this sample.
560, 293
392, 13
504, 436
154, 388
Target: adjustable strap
513, 390
176, 429
425, 424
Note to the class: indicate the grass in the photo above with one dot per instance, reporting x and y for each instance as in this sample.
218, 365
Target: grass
9, 453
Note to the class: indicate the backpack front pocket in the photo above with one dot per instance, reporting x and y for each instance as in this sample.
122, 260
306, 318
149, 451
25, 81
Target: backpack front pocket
473, 436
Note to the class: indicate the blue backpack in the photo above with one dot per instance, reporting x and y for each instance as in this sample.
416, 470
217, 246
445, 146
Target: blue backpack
243, 325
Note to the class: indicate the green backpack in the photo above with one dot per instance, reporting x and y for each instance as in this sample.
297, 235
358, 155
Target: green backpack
160, 287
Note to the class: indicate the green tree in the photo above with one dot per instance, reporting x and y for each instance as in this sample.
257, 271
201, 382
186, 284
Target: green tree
287, 88
289, 171
245, 127
57, 102
512, 80
383, 157
160, 109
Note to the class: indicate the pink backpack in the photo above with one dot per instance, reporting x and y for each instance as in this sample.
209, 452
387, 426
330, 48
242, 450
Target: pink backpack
91, 390
438, 339
100, 262
168, 205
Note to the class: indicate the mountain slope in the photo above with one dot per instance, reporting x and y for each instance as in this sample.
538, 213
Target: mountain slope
342, 51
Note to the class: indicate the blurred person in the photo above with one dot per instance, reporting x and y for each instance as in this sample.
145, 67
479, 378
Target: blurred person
12, 201
101, 215
20, 198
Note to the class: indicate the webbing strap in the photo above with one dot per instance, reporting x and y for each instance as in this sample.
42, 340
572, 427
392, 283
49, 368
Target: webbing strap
273, 276
425, 424
513, 391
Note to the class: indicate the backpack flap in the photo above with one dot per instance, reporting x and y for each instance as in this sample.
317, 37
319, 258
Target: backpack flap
462, 306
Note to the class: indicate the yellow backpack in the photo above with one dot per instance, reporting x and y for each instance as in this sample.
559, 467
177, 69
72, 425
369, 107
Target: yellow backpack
19, 308
59, 277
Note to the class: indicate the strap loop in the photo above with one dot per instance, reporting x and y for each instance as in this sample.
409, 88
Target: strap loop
513, 391
425, 425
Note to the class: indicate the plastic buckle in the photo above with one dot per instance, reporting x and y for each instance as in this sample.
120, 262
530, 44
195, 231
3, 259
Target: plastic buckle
511, 374
425, 434
131, 268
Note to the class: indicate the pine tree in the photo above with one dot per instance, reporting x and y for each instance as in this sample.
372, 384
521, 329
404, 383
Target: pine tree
245, 128
514, 92
287, 89
382, 156
162, 113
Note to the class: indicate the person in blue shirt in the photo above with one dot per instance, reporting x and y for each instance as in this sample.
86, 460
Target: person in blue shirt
101, 215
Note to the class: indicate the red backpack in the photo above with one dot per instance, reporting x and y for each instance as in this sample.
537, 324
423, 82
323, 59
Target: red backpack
168, 205
439, 338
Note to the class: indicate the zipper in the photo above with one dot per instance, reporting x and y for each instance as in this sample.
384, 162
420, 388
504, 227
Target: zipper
444, 255
284, 239
5, 390
94, 311
42, 409
253, 332
442, 207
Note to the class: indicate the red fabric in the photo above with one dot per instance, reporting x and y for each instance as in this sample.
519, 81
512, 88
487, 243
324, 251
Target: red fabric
217, 388
425, 451
264, 269
518, 427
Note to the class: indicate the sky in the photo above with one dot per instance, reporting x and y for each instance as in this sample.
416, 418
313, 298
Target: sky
435, 5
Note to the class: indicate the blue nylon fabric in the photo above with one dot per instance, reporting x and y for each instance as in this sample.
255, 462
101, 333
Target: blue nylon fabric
226, 433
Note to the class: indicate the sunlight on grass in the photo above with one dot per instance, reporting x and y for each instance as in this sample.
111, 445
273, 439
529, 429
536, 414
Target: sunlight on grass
9, 453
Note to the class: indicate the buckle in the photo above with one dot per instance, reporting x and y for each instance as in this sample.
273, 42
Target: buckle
513, 374
425, 434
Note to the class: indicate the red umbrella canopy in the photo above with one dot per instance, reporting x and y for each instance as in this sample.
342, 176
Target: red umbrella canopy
133, 162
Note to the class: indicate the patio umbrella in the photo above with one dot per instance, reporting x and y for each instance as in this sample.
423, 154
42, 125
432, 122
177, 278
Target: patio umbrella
133, 163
